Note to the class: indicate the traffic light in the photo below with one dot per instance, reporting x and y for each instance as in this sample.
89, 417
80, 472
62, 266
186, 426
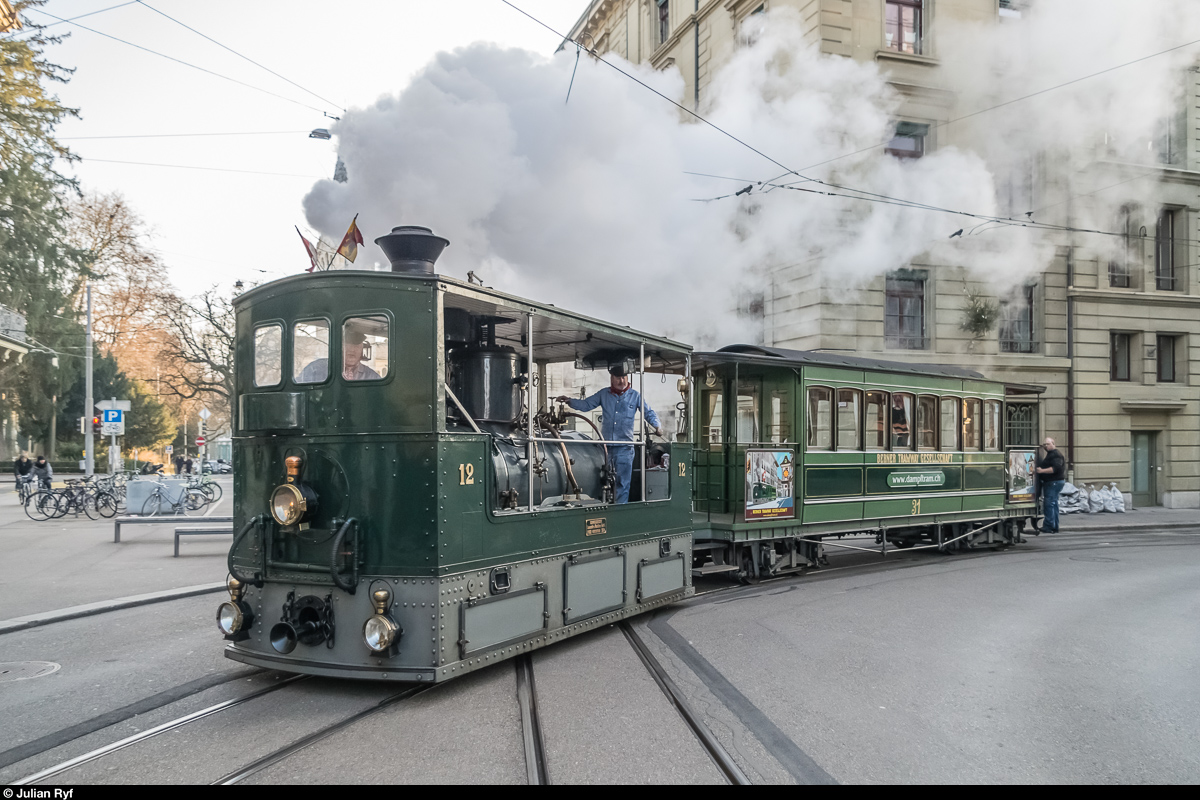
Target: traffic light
83, 422
96, 427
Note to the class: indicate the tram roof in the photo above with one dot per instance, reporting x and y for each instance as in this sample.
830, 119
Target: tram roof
777, 356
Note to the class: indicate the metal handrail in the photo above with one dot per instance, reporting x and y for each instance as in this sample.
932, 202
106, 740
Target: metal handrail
257, 580
334, 572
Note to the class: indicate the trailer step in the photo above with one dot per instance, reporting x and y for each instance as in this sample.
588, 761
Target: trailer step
713, 569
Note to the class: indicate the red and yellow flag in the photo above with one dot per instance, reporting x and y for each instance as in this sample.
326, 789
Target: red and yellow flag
350, 242
312, 251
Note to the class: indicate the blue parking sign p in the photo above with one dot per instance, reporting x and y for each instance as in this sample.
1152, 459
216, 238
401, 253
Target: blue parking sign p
113, 415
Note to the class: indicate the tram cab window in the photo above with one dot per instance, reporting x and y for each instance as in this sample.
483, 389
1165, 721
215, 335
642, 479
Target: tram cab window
950, 423
820, 418
902, 419
875, 423
268, 355
927, 422
991, 425
712, 415
365, 348
310, 351
971, 424
747, 419
849, 418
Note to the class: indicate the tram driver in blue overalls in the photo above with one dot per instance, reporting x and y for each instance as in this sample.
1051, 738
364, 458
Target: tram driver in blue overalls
619, 403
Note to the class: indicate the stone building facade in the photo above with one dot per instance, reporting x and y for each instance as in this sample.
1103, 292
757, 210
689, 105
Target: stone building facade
1113, 333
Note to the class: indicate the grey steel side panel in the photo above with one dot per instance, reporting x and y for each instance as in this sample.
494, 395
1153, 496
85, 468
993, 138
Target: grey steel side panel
662, 576
593, 586
501, 619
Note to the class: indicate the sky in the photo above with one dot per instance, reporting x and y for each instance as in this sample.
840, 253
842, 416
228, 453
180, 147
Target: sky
221, 223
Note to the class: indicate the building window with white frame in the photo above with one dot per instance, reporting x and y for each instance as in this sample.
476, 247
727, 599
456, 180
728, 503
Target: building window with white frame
908, 141
1165, 244
1016, 322
904, 310
664, 20
1166, 351
902, 26
1118, 359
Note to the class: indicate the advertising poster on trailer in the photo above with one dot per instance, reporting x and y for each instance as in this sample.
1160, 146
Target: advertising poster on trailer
769, 478
1022, 479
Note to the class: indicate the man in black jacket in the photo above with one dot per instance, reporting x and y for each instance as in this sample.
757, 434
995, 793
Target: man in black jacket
1053, 469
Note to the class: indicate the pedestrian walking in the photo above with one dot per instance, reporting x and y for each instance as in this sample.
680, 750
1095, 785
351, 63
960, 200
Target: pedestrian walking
178, 465
187, 465
1053, 471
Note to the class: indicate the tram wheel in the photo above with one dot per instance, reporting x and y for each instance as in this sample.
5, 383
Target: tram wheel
747, 575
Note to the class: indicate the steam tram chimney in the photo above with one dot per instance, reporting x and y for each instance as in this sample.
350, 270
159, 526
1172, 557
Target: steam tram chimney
412, 249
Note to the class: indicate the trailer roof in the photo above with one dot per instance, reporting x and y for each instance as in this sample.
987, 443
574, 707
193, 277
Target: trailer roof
777, 356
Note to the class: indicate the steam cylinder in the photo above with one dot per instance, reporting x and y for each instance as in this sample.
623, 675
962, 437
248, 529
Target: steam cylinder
487, 382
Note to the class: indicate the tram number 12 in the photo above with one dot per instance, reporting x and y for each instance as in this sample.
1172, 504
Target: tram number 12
466, 474
916, 507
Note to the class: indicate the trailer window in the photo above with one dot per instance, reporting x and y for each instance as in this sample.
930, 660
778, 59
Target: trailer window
927, 422
849, 419
991, 425
875, 424
902, 418
971, 424
820, 428
310, 351
365, 348
949, 423
268, 355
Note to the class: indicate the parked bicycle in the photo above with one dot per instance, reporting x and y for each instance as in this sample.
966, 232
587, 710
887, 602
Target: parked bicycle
160, 501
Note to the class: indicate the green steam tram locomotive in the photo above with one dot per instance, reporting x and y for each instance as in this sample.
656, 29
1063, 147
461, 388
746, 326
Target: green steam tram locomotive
410, 503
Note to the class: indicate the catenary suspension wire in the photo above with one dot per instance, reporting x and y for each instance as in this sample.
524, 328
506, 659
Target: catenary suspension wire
205, 169
236, 53
882, 198
179, 135
185, 63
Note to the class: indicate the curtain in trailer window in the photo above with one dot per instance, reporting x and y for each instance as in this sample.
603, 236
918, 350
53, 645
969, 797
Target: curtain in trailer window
971, 424
780, 429
820, 429
875, 421
927, 422
949, 420
991, 425
747, 419
902, 419
849, 418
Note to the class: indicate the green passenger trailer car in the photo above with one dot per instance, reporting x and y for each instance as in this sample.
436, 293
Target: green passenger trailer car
796, 450
408, 504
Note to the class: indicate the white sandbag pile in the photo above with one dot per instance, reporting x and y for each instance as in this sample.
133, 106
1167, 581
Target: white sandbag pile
1071, 500
1118, 499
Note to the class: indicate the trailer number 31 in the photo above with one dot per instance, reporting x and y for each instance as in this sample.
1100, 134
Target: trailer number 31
466, 474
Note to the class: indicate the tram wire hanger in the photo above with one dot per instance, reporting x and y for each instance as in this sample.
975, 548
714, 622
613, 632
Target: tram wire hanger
865, 195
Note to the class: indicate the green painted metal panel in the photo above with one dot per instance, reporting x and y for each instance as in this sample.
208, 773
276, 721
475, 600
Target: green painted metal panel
818, 374
660, 577
833, 512
832, 481
983, 502
983, 477
900, 382
814, 458
271, 411
911, 508
594, 586
980, 458
503, 619
983, 388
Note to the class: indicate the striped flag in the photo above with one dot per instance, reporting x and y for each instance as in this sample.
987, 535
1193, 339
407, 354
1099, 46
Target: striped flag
312, 251
350, 242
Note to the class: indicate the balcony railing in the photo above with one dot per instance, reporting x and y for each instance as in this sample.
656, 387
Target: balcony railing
1018, 346
906, 342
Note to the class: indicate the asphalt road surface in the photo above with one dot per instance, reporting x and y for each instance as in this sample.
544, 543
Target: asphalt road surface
1070, 659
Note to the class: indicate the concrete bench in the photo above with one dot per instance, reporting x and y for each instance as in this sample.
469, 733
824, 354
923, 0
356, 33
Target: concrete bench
119, 521
200, 530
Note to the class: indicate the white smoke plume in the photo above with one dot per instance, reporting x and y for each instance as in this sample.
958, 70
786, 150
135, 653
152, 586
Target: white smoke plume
588, 203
